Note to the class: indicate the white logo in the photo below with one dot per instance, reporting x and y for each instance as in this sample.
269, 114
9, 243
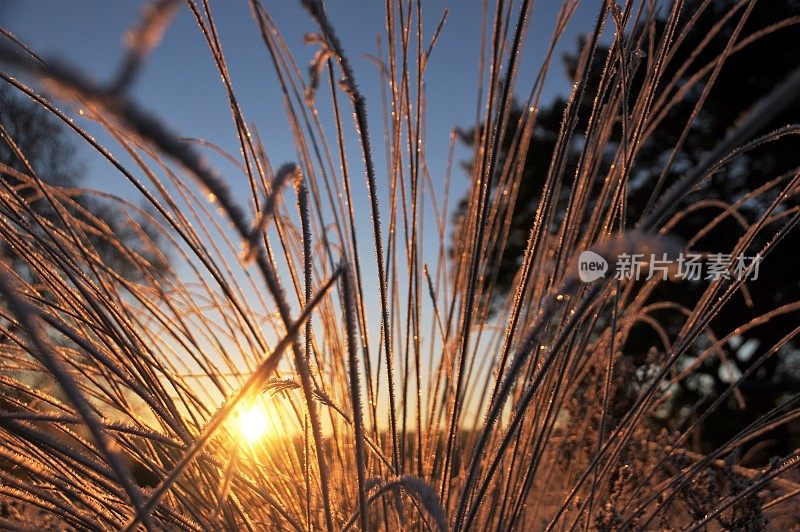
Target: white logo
687, 266
591, 266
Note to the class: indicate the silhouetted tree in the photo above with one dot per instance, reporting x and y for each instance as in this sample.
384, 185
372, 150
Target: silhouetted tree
746, 76
34, 141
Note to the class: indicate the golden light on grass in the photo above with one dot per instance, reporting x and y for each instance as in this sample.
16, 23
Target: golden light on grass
437, 371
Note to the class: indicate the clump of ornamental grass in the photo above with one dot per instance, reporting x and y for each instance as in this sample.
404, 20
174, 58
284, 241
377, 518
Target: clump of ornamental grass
398, 397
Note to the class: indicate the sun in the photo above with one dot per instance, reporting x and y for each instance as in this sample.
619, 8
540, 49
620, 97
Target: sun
253, 422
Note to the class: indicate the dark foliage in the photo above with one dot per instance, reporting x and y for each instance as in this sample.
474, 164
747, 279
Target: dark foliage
746, 76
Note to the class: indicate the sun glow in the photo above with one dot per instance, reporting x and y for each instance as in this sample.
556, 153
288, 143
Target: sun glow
254, 422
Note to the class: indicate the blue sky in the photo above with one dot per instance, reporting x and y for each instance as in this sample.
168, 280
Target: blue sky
181, 85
